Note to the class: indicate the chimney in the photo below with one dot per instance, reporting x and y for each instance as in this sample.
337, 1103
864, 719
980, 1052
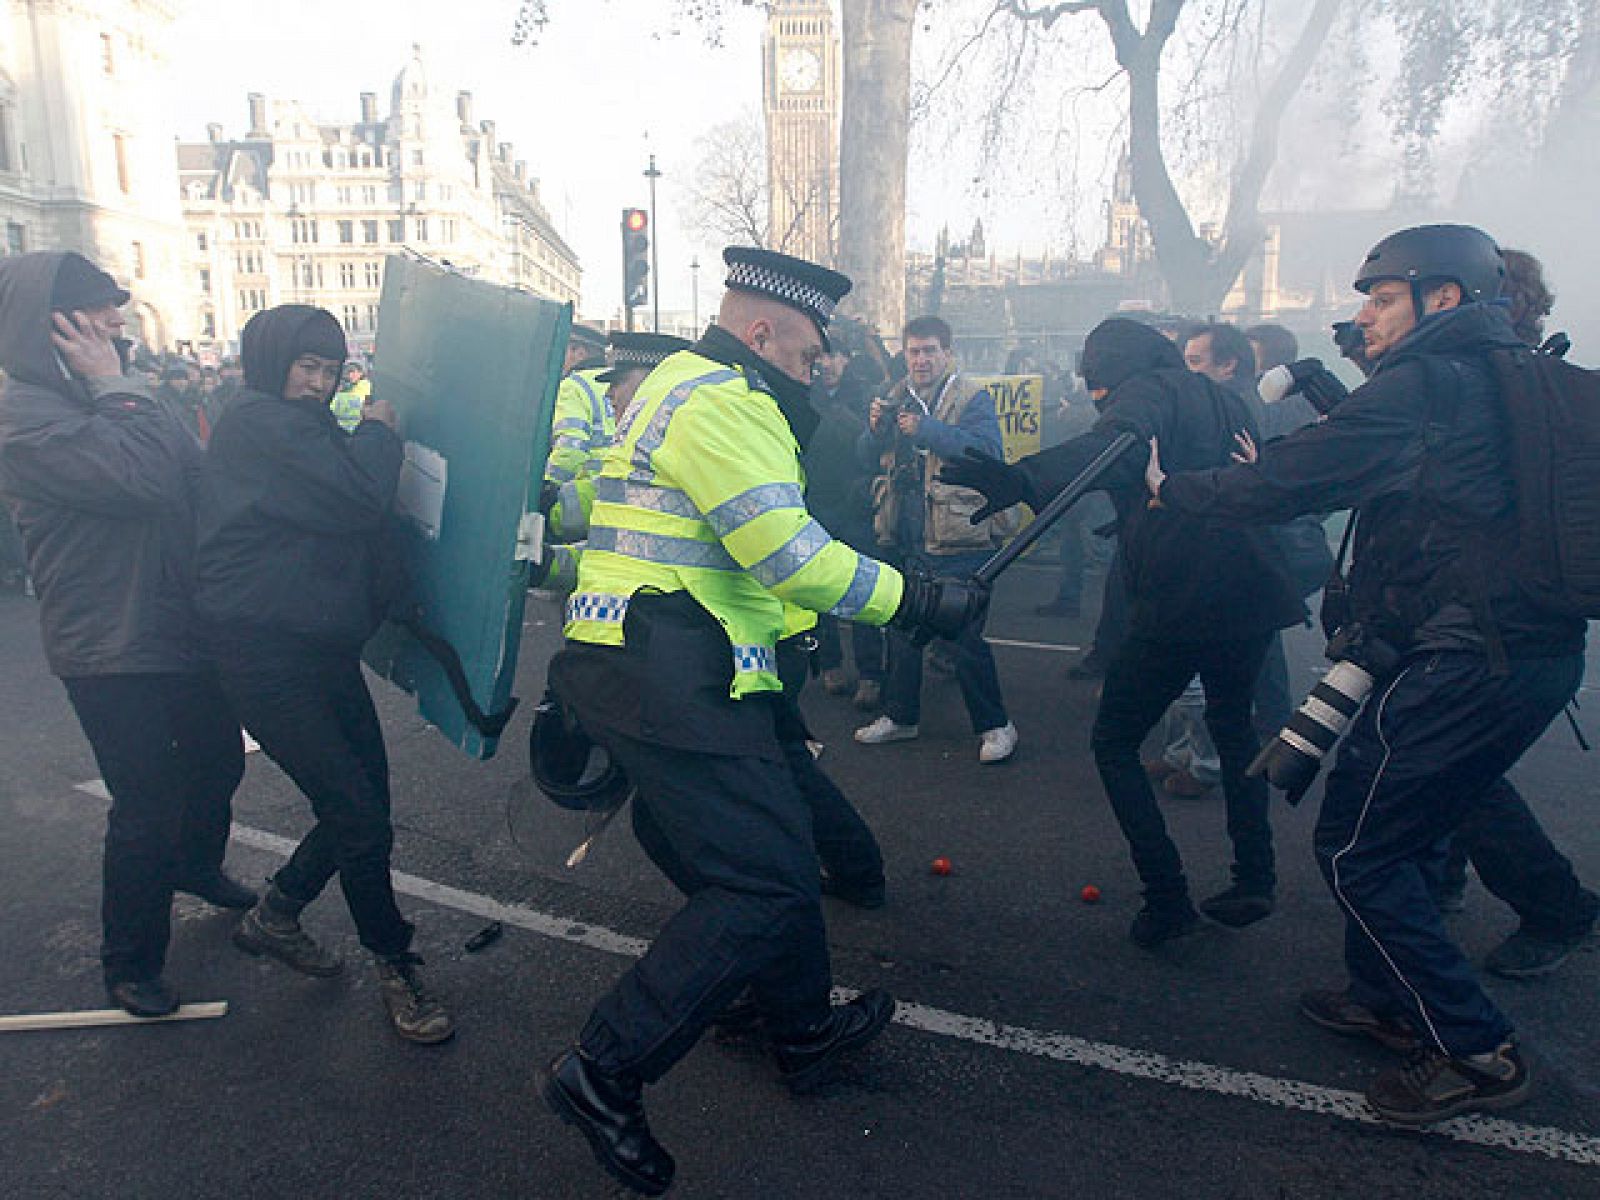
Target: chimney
369, 108
214, 132
520, 170
464, 109
258, 116
505, 153
488, 134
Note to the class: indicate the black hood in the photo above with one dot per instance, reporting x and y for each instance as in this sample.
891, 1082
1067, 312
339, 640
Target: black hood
273, 339
26, 352
1117, 349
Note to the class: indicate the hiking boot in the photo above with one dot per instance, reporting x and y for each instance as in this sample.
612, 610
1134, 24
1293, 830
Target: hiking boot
1165, 922
152, 997
1336, 1011
1434, 1086
1239, 906
806, 1060
869, 695
218, 889
609, 1111
416, 1014
272, 927
884, 730
997, 745
1526, 955
836, 681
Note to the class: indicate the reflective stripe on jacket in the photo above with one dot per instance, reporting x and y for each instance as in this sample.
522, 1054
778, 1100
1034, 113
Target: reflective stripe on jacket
704, 493
582, 427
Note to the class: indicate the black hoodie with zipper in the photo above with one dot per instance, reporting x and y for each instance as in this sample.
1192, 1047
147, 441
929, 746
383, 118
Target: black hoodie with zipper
102, 484
291, 534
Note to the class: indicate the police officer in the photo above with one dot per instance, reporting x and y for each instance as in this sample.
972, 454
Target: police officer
582, 425
1422, 451
701, 559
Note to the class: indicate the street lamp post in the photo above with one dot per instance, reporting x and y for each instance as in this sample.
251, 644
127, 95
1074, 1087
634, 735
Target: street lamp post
655, 239
694, 275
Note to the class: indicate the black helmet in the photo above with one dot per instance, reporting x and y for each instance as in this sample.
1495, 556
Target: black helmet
1461, 253
568, 766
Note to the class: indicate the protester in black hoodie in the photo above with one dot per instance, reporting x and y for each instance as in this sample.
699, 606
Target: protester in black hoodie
1204, 600
288, 584
101, 482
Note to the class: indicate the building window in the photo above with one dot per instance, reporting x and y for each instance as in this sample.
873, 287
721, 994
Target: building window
200, 241
374, 274
119, 146
369, 194
138, 260
16, 238
208, 324
347, 232
369, 232
108, 56
422, 229
351, 313
397, 231
347, 275
447, 230
342, 195
303, 230
372, 316
8, 160
416, 158
205, 280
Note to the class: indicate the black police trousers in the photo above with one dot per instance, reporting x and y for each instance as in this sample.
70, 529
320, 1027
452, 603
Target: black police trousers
169, 751
1143, 678
735, 835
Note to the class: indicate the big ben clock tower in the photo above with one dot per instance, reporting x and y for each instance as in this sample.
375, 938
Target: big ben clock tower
800, 70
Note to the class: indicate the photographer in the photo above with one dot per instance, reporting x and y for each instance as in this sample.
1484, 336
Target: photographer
929, 418
1467, 672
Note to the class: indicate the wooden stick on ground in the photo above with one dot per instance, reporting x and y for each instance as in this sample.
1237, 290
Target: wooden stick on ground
108, 1016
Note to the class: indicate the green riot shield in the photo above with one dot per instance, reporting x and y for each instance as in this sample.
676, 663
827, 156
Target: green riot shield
472, 370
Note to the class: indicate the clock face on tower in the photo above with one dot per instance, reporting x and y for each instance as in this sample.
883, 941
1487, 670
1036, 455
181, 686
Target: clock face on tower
800, 70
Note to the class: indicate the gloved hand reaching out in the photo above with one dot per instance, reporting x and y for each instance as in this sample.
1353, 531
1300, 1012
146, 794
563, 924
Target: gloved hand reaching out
932, 607
1001, 485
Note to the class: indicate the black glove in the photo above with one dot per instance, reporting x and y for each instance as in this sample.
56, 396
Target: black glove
549, 493
931, 607
1001, 485
1308, 377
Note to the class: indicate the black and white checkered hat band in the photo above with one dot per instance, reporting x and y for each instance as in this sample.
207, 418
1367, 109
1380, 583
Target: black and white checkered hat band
625, 356
787, 288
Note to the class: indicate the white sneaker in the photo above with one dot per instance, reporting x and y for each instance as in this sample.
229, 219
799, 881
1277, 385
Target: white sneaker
884, 730
998, 744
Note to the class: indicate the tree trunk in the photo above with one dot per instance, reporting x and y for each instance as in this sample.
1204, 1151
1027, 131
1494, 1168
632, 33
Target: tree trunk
874, 143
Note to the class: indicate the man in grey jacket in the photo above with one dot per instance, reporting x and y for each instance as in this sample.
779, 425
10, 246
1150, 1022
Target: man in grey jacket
101, 484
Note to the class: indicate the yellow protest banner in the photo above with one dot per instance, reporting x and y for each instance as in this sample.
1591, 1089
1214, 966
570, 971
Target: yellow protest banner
1019, 403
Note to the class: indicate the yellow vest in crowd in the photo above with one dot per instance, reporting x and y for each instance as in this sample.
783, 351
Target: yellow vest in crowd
581, 428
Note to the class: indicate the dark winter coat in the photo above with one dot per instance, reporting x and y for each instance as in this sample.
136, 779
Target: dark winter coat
1423, 452
102, 484
1188, 579
291, 539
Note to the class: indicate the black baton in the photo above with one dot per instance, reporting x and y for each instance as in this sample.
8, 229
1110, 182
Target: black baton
1055, 510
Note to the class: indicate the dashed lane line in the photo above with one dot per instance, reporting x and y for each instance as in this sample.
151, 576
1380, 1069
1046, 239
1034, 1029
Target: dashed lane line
1289, 1094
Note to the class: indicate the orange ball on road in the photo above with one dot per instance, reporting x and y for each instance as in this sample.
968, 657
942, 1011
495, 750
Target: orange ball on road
1090, 894
940, 866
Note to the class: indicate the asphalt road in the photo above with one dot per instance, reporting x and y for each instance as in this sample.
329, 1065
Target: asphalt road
1042, 1055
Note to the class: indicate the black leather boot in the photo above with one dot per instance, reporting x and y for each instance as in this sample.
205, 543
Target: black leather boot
609, 1111
805, 1060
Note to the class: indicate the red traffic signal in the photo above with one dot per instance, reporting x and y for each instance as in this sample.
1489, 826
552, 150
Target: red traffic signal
635, 256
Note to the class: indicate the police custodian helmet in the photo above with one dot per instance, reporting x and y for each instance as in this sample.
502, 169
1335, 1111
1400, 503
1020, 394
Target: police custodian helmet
1461, 253
568, 767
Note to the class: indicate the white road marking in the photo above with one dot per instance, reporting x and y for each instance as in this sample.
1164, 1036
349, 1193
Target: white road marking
994, 641
1291, 1094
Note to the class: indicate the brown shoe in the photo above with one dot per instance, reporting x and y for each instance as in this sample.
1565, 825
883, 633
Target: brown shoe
416, 1014
1182, 783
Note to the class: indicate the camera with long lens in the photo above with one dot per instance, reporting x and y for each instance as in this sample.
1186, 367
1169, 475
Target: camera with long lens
1292, 759
1308, 377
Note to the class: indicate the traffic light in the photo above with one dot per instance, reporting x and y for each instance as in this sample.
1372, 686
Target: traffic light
635, 256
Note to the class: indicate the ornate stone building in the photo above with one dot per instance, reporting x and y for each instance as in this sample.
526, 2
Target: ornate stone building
801, 76
86, 122
299, 211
